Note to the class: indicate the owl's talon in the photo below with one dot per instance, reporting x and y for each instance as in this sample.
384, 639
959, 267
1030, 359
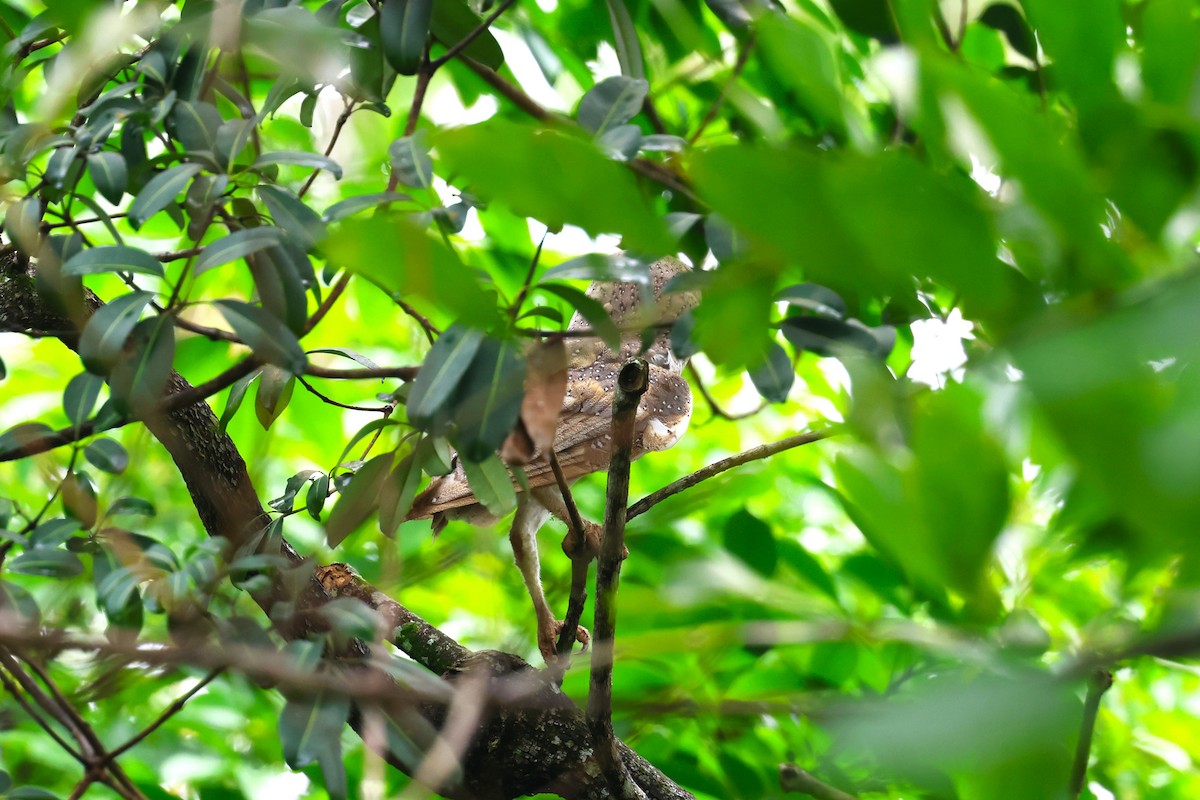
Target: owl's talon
548, 639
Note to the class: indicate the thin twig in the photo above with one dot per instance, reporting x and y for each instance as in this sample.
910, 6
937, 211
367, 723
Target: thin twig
713, 406
347, 110
1099, 683
631, 385
465, 42
753, 454
15, 691
335, 292
424, 75
581, 557
537, 256
330, 401
794, 779
170, 711
399, 373
514, 93
735, 73
431, 331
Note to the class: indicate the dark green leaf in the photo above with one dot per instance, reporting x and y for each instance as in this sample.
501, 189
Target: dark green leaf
353, 205
107, 455
751, 540
109, 174
238, 244
815, 298
318, 493
488, 399
113, 258
310, 726
611, 102
195, 125
47, 562
397, 493
265, 334
404, 28
831, 337
491, 484
81, 395
358, 500
625, 39
299, 159
291, 214
18, 599
237, 393
440, 374
409, 158
590, 309
21, 220
106, 332
774, 377
132, 506
139, 377
160, 190
53, 533
453, 20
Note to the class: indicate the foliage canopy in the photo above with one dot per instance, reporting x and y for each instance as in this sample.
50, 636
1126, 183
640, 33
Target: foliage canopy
340, 223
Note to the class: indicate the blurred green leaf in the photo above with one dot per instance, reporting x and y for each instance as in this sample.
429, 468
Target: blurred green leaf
751, 540
112, 258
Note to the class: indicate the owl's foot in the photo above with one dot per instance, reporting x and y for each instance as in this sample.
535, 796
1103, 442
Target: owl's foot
591, 542
548, 638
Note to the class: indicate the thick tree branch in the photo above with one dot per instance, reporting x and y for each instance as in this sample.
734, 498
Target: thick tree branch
631, 385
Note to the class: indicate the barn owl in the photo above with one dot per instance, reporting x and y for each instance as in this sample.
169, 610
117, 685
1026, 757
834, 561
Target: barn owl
582, 440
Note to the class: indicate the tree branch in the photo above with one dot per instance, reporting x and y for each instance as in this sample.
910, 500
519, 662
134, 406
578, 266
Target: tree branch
631, 385
1099, 683
753, 454
794, 779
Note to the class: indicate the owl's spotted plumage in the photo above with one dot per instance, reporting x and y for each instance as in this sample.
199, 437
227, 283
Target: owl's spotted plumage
582, 440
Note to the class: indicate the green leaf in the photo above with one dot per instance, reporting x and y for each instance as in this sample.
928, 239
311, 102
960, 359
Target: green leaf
21, 221
17, 598
814, 298
750, 539
318, 493
160, 190
451, 22
107, 455
311, 726
590, 309
358, 500
397, 493
298, 159
47, 562
138, 378
238, 244
291, 214
491, 484
409, 262
440, 374
237, 393
832, 337
596, 193
611, 102
53, 533
409, 159
805, 59
112, 258
265, 335
274, 394
625, 40
195, 124
109, 174
132, 506
80, 396
488, 399
614, 267
104, 337
353, 205
404, 28
774, 377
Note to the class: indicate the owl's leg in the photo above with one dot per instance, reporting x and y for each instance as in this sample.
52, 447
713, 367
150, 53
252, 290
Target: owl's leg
531, 515
552, 499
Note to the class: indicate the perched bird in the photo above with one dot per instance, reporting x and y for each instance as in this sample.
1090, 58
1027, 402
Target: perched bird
582, 439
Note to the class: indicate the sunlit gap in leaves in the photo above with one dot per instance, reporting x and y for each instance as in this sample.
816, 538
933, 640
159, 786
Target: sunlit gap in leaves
938, 349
